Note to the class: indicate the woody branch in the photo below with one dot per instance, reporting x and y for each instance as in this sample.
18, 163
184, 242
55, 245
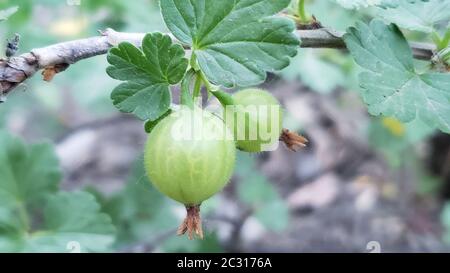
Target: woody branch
56, 58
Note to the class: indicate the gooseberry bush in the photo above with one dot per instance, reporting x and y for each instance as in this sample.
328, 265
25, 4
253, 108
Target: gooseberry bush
215, 46
232, 44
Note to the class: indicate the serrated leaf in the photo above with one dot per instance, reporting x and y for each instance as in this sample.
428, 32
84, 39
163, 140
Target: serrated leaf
420, 16
148, 74
72, 217
29, 177
6, 13
235, 41
391, 86
27, 173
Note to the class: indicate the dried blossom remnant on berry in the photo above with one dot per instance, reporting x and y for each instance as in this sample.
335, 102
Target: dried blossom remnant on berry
192, 224
293, 141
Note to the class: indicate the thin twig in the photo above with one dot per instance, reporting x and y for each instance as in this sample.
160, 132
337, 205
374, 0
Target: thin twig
328, 38
16, 70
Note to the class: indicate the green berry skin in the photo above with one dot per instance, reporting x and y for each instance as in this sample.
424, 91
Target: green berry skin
190, 170
262, 120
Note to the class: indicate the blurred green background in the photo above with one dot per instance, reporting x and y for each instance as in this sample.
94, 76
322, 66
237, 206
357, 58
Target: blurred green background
361, 179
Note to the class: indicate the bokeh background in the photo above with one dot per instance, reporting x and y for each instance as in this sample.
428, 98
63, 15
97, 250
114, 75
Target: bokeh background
361, 178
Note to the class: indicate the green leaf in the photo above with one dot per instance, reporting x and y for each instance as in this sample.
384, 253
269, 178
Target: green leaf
28, 173
9, 222
391, 86
150, 124
29, 177
72, 217
235, 42
148, 74
5, 13
186, 97
419, 16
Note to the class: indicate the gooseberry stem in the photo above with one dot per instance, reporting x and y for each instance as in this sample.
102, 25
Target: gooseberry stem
197, 86
193, 62
208, 85
224, 98
185, 95
305, 18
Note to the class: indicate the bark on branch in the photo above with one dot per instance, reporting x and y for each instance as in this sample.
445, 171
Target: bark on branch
56, 58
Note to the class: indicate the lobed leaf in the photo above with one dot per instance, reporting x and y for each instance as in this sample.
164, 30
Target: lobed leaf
29, 177
391, 86
28, 173
148, 74
420, 15
235, 41
72, 217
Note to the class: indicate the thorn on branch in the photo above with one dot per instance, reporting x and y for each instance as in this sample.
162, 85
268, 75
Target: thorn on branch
292, 140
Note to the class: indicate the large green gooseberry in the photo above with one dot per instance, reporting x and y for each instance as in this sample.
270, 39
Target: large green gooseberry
256, 120
190, 155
